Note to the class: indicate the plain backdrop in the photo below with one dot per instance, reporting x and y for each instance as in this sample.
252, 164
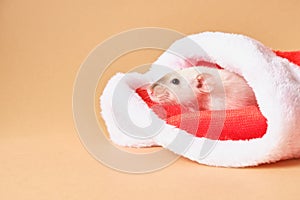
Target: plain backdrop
42, 45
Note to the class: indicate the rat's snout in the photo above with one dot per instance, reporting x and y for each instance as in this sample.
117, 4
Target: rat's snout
160, 93
153, 86
155, 89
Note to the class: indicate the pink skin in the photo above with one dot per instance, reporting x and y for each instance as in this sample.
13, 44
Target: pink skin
203, 88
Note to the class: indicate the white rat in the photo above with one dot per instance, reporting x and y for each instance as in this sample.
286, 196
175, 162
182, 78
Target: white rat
203, 88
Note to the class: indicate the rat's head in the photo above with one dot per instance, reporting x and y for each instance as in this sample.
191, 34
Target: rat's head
183, 86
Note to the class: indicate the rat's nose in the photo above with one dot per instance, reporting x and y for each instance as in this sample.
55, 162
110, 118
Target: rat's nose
150, 88
155, 89
153, 86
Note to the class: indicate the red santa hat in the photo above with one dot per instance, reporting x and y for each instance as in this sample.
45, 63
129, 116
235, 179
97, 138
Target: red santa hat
231, 138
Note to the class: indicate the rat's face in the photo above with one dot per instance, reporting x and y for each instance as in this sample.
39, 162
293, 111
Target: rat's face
180, 87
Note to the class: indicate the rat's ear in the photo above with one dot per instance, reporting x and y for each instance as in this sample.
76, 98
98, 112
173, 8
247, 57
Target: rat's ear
205, 82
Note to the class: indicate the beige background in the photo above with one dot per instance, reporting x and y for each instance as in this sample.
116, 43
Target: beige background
42, 46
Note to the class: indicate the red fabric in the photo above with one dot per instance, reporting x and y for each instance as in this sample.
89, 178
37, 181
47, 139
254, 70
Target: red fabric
292, 56
243, 124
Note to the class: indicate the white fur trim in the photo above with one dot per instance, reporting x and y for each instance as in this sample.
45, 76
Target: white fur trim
275, 81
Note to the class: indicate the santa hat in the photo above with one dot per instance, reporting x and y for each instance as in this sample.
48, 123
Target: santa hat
232, 138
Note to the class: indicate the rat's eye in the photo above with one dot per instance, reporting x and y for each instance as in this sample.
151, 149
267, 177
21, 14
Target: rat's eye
175, 81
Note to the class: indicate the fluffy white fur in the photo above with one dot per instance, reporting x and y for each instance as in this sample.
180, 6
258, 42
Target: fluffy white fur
276, 84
